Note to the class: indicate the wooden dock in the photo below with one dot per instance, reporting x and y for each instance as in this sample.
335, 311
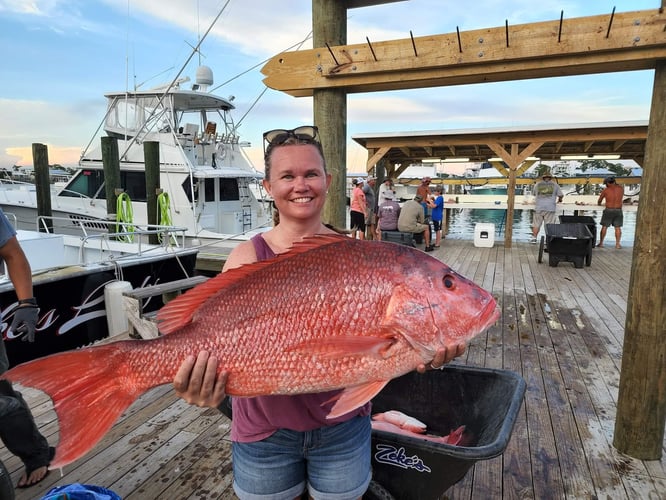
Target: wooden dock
561, 328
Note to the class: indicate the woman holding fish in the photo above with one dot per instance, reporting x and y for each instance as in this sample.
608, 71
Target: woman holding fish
284, 445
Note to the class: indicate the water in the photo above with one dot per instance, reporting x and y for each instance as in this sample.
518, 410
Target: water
462, 221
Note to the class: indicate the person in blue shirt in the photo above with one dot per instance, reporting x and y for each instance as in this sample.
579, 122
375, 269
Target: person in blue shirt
437, 214
17, 426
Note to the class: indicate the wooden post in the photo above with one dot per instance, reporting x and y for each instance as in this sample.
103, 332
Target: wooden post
510, 205
111, 165
641, 408
40, 161
151, 152
329, 26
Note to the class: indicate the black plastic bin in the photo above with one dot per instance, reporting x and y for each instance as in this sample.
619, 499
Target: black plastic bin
406, 239
570, 242
582, 219
486, 401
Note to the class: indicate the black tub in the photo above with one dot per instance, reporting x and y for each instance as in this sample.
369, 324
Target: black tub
486, 401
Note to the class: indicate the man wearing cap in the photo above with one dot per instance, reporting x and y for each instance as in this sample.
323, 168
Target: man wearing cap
612, 214
387, 214
547, 194
358, 209
412, 220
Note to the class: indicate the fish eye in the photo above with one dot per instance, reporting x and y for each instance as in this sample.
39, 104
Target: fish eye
449, 282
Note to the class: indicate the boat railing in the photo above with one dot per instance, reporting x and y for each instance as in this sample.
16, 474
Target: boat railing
109, 237
74, 195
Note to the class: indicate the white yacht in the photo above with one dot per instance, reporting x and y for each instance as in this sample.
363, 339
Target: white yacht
203, 168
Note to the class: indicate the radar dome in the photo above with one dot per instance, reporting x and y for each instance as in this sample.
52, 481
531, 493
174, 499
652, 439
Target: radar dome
204, 76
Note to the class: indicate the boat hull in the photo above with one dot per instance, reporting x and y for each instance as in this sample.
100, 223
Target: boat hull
71, 300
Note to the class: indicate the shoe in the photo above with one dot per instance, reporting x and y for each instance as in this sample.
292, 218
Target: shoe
533, 241
429, 249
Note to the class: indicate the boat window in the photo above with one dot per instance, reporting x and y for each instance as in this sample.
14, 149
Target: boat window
229, 190
187, 187
134, 184
85, 183
89, 183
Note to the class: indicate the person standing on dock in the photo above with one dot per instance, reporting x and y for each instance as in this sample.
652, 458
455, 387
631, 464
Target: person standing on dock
612, 214
371, 205
547, 195
423, 190
438, 214
17, 426
386, 187
284, 445
358, 210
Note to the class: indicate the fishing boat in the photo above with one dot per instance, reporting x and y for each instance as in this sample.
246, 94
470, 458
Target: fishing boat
207, 181
486, 170
71, 274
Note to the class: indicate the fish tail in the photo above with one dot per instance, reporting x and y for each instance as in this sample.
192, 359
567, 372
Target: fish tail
90, 389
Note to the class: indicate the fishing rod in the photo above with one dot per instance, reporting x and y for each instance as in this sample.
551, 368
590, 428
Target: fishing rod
177, 77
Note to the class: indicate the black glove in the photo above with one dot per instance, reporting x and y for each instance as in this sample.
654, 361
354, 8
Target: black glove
25, 322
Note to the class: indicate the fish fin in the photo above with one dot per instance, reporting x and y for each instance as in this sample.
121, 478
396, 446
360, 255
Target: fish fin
89, 393
181, 310
348, 345
353, 397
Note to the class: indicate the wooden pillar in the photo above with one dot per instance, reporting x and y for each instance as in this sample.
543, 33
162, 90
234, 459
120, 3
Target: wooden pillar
329, 25
151, 153
40, 161
510, 205
111, 165
641, 408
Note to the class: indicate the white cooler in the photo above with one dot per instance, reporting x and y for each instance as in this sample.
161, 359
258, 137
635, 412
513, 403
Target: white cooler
484, 235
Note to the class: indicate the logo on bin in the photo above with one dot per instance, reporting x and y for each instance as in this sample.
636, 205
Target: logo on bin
387, 454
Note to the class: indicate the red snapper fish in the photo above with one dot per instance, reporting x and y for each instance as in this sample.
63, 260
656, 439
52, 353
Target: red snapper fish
331, 313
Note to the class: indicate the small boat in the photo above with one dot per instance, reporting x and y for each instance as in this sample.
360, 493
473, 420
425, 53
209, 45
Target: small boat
70, 274
209, 182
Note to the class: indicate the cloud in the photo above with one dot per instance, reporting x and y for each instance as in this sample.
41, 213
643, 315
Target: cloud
63, 127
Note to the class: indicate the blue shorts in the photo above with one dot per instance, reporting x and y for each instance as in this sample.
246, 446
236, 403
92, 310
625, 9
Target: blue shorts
332, 462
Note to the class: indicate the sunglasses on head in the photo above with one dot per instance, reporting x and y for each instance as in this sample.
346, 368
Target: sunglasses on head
307, 134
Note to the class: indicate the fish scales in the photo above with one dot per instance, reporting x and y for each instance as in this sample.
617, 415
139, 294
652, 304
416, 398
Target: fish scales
331, 313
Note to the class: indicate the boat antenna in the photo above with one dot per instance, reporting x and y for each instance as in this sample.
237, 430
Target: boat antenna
175, 78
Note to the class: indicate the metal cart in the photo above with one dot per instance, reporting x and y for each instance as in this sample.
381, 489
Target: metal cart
570, 242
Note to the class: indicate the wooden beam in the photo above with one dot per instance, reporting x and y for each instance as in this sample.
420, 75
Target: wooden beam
378, 155
636, 41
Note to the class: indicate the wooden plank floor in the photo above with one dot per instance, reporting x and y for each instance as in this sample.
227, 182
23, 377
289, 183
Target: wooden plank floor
561, 328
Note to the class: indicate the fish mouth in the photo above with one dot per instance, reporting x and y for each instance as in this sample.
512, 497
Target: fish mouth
488, 315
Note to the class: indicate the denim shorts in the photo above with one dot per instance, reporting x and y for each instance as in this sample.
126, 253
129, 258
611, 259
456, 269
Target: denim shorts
333, 463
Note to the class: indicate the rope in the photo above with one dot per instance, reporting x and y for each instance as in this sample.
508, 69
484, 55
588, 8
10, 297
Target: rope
124, 217
163, 212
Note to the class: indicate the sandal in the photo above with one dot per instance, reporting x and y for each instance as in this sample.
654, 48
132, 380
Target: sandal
28, 472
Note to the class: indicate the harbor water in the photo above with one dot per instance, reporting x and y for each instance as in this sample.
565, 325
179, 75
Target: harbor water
461, 224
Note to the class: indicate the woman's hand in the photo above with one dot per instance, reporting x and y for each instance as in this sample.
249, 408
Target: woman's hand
197, 381
442, 356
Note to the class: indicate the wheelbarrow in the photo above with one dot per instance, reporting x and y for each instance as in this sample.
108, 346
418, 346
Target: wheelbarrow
484, 400
570, 242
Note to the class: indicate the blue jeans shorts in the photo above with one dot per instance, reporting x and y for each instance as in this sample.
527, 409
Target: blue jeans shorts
333, 463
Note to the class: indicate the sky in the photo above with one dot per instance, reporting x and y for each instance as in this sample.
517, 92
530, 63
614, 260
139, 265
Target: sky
59, 57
